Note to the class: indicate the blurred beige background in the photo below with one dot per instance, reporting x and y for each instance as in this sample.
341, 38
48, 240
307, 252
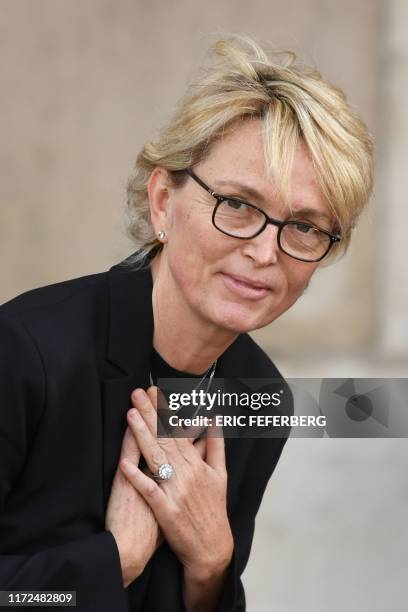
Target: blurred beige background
83, 84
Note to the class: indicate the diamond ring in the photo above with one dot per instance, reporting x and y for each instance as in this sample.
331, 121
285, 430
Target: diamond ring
165, 472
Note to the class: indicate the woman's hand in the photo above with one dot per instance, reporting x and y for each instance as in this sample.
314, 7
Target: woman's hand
191, 506
130, 518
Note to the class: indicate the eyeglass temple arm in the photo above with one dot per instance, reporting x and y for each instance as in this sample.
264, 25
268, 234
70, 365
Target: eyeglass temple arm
200, 182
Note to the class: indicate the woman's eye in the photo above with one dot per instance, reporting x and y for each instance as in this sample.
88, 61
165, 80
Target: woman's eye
305, 228
236, 205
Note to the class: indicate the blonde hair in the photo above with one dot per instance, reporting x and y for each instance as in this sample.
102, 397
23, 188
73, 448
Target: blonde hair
293, 100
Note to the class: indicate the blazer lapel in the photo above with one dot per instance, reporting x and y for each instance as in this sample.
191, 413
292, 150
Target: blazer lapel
130, 339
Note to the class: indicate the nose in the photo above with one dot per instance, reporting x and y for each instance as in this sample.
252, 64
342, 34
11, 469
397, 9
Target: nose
263, 249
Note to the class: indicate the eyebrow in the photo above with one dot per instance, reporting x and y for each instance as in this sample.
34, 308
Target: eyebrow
253, 193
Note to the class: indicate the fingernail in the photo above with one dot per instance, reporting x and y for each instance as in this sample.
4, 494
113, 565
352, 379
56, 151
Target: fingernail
133, 414
138, 395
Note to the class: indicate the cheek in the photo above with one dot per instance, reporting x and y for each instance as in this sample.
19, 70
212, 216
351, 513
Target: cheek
180, 219
300, 278
195, 239
188, 253
186, 227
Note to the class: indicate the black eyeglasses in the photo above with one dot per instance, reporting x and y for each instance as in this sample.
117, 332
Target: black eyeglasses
240, 219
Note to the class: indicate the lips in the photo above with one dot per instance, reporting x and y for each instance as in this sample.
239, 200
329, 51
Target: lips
249, 282
244, 288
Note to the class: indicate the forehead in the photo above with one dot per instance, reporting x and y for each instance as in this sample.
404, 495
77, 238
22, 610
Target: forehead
237, 162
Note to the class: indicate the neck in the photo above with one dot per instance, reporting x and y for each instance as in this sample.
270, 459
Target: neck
187, 341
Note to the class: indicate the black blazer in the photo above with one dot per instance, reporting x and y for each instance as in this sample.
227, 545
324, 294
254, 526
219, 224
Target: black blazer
70, 355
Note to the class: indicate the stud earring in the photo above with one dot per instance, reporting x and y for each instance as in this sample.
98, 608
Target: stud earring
161, 234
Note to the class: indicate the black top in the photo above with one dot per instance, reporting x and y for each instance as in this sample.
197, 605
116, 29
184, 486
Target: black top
161, 369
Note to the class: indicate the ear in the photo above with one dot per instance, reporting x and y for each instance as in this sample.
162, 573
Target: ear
158, 194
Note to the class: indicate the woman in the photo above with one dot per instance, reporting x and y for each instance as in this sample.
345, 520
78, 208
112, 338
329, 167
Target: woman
257, 181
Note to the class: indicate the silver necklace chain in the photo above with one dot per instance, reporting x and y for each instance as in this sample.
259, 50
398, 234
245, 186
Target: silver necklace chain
211, 371
212, 368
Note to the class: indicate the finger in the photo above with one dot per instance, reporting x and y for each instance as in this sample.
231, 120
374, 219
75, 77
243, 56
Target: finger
159, 403
193, 452
155, 454
189, 434
156, 396
146, 486
153, 493
145, 402
130, 448
177, 432
183, 437
144, 405
185, 444
190, 446
215, 456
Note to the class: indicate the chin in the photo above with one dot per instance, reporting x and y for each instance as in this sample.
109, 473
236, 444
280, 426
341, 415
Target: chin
239, 320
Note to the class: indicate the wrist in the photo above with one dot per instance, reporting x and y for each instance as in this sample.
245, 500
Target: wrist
202, 574
130, 571
202, 586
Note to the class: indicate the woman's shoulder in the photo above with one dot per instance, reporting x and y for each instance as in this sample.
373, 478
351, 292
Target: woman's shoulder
83, 290
82, 317
52, 294
61, 310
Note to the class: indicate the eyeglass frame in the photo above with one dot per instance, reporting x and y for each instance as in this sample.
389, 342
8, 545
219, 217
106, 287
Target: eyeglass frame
268, 220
